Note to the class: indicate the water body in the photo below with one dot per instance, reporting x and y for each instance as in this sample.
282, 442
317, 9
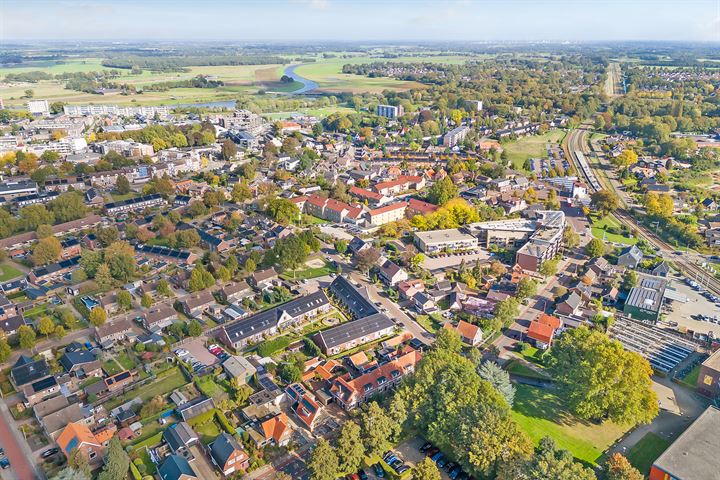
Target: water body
308, 85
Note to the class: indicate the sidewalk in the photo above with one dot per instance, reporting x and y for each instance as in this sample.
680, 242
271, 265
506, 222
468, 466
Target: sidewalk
17, 450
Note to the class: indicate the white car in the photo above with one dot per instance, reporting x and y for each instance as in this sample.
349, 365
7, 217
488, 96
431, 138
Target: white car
213, 346
181, 352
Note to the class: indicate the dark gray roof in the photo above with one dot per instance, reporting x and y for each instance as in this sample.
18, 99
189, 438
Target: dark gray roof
353, 330
223, 447
179, 435
174, 467
352, 298
72, 359
29, 371
133, 201
694, 455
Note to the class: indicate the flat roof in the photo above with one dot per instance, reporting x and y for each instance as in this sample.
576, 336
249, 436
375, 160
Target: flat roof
441, 236
694, 455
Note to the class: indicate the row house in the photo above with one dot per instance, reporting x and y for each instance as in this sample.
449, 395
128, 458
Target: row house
401, 184
134, 204
387, 214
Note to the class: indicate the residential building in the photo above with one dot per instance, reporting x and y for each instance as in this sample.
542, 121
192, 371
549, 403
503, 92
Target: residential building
161, 111
234, 291
542, 330
11, 190
179, 437
391, 273
470, 334
53, 271
645, 300
26, 370
276, 430
159, 316
694, 454
409, 288
239, 368
545, 243
263, 279
304, 405
352, 392
40, 390
455, 136
452, 239
387, 214
176, 467
195, 304
351, 334
78, 436
115, 331
389, 111
401, 184
227, 454
38, 107
630, 257
134, 204
255, 327
373, 198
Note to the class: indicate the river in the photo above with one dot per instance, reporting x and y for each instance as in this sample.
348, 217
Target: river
308, 85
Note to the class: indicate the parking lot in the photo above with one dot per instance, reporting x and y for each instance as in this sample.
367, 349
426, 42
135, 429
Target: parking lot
410, 452
683, 313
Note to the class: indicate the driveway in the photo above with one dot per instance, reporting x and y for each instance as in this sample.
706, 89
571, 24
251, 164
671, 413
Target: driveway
202, 465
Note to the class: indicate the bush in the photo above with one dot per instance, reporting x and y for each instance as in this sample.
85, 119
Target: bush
135, 472
522, 347
224, 422
270, 347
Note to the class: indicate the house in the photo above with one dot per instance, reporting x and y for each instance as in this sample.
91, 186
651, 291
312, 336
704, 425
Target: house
570, 306
387, 214
694, 454
708, 382
240, 368
276, 430
470, 334
159, 316
391, 273
710, 204
195, 304
234, 292
424, 303
227, 454
118, 381
176, 467
644, 301
542, 330
54, 423
630, 257
26, 370
303, 404
115, 331
352, 392
357, 245
195, 407
351, 334
409, 288
263, 279
180, 437
40, 390
78, 436
81, 363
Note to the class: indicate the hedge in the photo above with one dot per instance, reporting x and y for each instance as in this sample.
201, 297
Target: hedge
135, 472
224, 422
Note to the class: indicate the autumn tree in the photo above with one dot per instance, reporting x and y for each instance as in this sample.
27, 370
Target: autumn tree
323, 462
46, 250
124, 300
366, 259
45, 326
26, 337
426, 470
617, 467
442, 191
229, 149
604, 201
595, 248
601, 380
122, 185
282, 210
98, 316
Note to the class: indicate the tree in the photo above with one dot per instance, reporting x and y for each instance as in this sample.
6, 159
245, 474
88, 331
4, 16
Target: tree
282, 210
377, 428
5, 350
194, 329
120, 257
98, 316
59, 332
549, 267
78, 461
250, 265
499, 379
146, 300
44, 231
107, 236
103, 277
366, 259
241, 192
46, 326
618, 468
124, 300
26, 337
417, 260
426, 470
229, 149
625, 159
442, 191
68, 206
46, 250
350, 448
547, 463
323, 462
630, 280
223, 274
449, 340
506, 311
289, 372
341, 246
196, 209
604, 201
32, 216
69, 473
571, 239
601, 380
595, 248
117, 462
163, 288
122, 185
527, 287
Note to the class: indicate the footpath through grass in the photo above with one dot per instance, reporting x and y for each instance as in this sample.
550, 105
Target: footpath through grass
646, 451
541, 412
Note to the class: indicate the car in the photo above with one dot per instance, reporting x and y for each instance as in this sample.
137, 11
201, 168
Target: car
378, 470
442, 461
353, 476
397, 463
391, 459
402, 469
4, 463
437, 456
426, 446
463, 476
450, 466
454, 473
432, 452
180, 352
362, 474
216, 351
50, 452
214, 345
2, 452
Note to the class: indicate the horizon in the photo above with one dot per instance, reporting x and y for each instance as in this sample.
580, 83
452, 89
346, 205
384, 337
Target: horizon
400, 21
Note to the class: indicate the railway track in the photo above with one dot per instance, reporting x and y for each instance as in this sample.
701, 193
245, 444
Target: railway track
577, 146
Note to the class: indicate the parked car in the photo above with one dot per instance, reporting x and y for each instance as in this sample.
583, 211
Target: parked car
353, 476
378, 470
426, 446
441, 462
432, 452
437, 456
362, 474
4, 463
454, 472
402, 469
450, 466
50, 452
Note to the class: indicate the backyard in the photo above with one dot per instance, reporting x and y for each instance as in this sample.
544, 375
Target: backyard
532, 146
431, 323
541, 412
163, 385
8, 272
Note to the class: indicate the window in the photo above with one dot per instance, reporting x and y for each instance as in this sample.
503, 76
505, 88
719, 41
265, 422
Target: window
92, 454
708, 380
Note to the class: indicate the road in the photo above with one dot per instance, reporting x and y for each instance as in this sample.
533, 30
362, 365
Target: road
16, 449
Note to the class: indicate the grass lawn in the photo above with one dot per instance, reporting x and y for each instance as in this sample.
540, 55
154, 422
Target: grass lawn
208, 432
532, 146
541, 412
320, 112
431, 323
162, 385
646, 451
599, 230
208, 386
311, 272
112, 367
118, 197
690, 380
8, 272
517, 368
126, 361
313, 220
532, 355
36, 311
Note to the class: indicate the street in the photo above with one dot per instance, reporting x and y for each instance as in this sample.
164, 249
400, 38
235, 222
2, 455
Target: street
16, 449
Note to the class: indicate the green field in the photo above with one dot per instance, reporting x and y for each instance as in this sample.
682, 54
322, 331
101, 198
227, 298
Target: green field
533, 146
310, 272
690, 380
599, 230
162, 385
646, 451
8, 272
431, 323
321, 112
541, 412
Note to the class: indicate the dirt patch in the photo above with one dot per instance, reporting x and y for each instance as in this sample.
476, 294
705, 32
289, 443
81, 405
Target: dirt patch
267, 75
315, 263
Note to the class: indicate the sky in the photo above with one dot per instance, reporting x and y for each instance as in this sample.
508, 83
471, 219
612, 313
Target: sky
360, 20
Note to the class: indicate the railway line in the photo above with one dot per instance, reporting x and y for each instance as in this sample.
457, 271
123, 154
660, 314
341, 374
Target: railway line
577, 146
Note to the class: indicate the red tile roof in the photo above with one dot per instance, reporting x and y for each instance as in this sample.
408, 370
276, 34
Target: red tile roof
540, 332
